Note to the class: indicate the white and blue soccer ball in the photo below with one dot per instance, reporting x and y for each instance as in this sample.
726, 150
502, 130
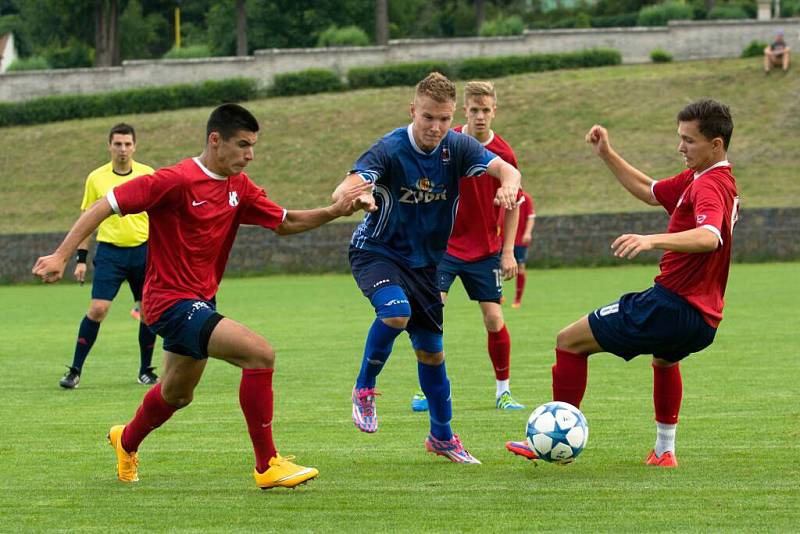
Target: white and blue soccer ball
557, 432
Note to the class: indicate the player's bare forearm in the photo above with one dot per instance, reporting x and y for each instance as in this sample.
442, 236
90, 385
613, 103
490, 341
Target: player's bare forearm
510, 225
298, 221
352, 197
51, 268
696, 240
635, 181
349, 181
510, 180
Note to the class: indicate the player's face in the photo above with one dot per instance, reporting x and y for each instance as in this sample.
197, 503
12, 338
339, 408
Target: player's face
233, 154
699, 153
480, 111
430, 121
122, 148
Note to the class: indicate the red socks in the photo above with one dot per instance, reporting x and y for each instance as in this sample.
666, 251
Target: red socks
667, 393
255, 398
569, 377
520, 286
152, 413
500, 352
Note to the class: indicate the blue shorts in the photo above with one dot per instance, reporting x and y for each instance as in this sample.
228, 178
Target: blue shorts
656, 321
186, 327
113, 265
374, 271
521, 253
483, 279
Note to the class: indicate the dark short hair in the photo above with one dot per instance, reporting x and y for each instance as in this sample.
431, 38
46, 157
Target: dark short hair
228, 119
122, 129
713, 118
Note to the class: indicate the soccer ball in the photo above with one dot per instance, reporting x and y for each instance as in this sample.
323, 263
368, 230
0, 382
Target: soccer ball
557, 432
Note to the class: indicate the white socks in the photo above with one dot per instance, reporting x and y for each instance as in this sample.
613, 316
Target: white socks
665, 438
502, 387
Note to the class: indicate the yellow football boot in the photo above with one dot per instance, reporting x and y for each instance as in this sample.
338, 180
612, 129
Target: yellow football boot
282, 472
127, 463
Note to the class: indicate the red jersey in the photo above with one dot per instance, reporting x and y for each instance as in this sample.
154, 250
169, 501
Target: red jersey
703, 200
478, 228
194, 215
527, 211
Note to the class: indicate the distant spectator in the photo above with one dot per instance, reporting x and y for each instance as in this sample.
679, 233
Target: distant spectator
777, 54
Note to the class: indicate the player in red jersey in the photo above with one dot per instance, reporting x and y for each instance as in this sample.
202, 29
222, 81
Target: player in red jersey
195, 209
478, 250
527, 219
680, 314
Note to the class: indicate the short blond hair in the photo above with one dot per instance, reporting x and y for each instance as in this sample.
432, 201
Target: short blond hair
477, 88
438, 87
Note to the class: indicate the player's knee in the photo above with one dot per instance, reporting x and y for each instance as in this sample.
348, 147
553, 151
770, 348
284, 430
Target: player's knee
493, 321
658, 362
396, 322
392, 306
97, 312
430, 358
428, 346
565, 340
177, 398
262, 358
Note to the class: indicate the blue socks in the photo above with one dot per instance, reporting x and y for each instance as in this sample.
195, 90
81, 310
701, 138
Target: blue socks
376, 351
434, 383
87, 334
147, 340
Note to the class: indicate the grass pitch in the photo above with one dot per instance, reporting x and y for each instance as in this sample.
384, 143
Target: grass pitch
737, 441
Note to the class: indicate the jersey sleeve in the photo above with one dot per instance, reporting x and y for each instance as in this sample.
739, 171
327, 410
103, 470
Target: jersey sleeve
668, 192
531, 206
146, 192
475, 158
373, 163
708, 202
89, 194
259, 209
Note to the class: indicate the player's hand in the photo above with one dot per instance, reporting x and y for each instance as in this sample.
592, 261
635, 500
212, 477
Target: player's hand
80, 272
630, 245
506, 197
508, 265
598, 138
49, 268
527, 239
356, 197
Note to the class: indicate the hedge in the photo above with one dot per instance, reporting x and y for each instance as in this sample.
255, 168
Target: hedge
306, 82
397, 74
492, 67
147, 100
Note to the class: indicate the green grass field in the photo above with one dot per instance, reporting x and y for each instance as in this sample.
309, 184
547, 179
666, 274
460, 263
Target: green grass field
737, 441
308, 143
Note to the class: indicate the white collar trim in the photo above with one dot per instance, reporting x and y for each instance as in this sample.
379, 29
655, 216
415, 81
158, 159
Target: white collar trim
414, 142
491, 135
723, 163
208, 172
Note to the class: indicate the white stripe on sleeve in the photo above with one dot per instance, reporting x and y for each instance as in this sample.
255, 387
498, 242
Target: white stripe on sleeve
714, 230
113, 201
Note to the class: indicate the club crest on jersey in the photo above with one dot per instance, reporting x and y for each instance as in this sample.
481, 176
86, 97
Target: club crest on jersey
445, 154
233, 198
701, 219
424, 192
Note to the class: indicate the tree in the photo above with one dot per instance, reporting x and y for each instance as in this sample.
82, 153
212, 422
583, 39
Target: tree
106, 35
241, 28
382, 22
480, 14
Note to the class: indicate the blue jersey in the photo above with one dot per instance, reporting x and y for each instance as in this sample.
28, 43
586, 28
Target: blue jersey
416, 193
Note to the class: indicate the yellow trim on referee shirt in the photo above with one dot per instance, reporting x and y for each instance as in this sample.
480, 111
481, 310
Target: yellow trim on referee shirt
127, 231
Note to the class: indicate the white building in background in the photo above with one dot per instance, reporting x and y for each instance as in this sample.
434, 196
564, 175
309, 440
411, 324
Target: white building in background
8, 52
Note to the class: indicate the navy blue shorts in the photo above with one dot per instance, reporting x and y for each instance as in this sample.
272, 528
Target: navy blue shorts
521, 253
656, 321
186, 327
374, 271
113, 265
483, 279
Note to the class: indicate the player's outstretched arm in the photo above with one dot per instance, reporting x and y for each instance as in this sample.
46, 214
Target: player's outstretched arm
347, 202
631, 178
508, 263
510, 179
695, 240
51, 268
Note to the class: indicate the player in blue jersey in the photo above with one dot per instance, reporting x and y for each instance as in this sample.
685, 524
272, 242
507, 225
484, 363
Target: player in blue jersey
394, 251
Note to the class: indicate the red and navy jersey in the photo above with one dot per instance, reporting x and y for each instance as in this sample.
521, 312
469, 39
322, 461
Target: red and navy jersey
527, 211
700, 200
478, 228
194, 215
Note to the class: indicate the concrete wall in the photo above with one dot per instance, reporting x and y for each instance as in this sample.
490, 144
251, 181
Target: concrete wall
683, 39
761, 235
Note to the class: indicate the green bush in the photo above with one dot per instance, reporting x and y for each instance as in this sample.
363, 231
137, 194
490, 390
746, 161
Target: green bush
660, 56
189, 52
727, 11
67, 107
660, 14
492, 67
754, 49
76, 54
502, 26
306, 82
29, 63
347, 36
614, 21
393, 75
